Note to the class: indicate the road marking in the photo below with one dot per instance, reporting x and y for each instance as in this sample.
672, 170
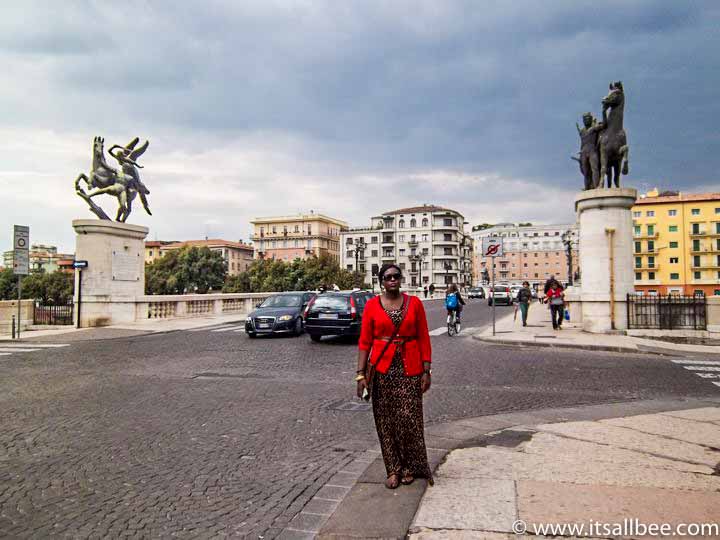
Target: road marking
5, 354
702, 368
709, 375
241, 327
11, 345
438, 331
700, 362
463, 331
11, 350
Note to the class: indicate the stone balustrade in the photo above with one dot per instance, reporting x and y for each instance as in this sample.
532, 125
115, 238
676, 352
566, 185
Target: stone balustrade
196, 305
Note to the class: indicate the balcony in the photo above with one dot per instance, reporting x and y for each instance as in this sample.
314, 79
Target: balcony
441, 227
453, 243
645, 266
646, 252
413, 243
706, 266
648, 282
704, 251
387, 257
645, 236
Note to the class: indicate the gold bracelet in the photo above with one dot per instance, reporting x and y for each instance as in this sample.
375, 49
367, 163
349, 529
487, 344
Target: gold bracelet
359, 377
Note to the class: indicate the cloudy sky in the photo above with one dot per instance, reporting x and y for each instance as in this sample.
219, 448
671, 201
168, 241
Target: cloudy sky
350, 108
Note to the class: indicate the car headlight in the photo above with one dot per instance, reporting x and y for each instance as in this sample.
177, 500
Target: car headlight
248, 320
283, 318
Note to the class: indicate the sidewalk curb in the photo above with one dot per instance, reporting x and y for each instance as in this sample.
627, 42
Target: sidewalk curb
585, 346
369, 510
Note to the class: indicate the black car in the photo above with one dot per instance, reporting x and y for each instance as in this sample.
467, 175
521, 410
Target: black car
336, 313
279, 314
476, 292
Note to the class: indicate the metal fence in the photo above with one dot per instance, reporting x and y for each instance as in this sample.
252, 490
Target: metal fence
672, 312
54, 314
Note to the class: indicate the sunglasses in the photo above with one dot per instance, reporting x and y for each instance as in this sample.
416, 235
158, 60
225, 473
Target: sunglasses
390, 277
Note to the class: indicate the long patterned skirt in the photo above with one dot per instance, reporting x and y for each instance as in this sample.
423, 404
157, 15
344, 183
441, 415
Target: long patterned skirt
397, 403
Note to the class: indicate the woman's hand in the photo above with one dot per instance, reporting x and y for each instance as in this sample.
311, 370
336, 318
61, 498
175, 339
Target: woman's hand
425, 382
361, 387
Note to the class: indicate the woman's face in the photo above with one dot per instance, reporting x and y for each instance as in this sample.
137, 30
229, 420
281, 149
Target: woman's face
391, 279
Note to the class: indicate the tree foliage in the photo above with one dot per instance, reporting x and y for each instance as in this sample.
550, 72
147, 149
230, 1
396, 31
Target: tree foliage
50, 288
266, 275
187, 270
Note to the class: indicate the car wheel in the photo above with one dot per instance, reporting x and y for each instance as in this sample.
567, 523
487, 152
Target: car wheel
298, 326
251, 335
315, 338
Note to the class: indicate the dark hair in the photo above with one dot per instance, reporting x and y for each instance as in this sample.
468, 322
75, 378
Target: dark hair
528, 283
384, 268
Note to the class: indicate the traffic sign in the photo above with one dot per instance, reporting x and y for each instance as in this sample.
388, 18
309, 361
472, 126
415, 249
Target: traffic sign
21, 250
492, 246
80, 264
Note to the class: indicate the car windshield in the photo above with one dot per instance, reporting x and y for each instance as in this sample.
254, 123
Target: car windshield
285, 300
500, 289
331, 302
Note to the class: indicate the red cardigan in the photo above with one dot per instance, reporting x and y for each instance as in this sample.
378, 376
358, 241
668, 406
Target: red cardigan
376, 324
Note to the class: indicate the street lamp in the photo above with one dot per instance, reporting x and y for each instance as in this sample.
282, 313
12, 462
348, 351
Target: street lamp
418, 258
359, 252
568, 241
448, 267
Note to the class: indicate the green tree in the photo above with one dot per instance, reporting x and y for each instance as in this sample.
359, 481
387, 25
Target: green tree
54, 287
8, 284
188, 270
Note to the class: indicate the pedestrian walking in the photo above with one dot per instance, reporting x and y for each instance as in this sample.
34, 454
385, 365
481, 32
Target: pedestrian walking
393, 367
556, 298
524, 298
425, 291
549, 282
432, 290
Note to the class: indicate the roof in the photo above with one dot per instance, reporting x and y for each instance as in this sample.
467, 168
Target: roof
215, 242
420, 209
689, 197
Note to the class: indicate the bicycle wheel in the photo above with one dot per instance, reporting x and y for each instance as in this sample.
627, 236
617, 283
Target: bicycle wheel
451, 329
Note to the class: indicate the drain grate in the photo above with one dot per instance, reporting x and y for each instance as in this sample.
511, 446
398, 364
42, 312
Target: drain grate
211, 375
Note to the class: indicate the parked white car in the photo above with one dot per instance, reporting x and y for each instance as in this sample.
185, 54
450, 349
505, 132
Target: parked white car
500, 295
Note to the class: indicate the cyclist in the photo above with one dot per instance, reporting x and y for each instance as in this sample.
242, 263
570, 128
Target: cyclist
453, 301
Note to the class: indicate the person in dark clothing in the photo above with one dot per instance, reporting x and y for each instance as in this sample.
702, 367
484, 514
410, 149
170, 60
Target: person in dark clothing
432, 290
425, 291
524, 298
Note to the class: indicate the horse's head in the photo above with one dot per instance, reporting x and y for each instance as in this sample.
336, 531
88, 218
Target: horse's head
616, 96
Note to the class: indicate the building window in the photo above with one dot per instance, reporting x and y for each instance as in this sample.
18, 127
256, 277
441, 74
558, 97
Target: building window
636, 232
297, 228
672, 213
424, 222
673, 244
673, 228
402, 252
150, 253
696, 261
674, 276
448, 251
447, 237
650, 213
413, 223
374, 253
695, 211
651, 246
638, 247
651, 262
401, 224
696, 245
695, 228
373, 239
638, 262
401, 238
651, 230
674, 260
697, 275
651, 275
637, 214
638, 276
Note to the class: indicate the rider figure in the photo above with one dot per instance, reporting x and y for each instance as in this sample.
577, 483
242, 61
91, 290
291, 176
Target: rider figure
453, 301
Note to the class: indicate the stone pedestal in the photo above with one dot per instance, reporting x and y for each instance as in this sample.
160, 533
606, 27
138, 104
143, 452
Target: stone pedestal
115, 276
605, 217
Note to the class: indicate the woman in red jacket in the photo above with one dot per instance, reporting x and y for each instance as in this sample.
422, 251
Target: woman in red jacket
400, 377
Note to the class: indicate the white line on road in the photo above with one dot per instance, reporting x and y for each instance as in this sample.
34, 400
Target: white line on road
5, 345
242, 327
709, 375
5, 353
438, 331
463, 331
700, 362
702, 368
16, 349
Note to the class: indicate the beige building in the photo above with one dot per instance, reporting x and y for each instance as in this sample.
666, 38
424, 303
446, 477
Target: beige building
531, 253
238, 256
43, 257
297, 237
428, 242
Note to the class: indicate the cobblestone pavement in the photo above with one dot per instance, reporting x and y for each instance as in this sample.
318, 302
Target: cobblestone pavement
200, 434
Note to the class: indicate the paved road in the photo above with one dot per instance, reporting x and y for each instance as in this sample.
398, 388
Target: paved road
210, 433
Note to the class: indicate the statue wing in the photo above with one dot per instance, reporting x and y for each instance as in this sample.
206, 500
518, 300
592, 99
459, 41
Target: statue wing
139, 151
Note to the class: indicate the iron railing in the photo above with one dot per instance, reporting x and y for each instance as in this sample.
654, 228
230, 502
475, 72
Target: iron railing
54, 314
671, 312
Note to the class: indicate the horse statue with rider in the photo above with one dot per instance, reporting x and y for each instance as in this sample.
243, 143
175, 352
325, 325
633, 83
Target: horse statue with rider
604, 151
124, 184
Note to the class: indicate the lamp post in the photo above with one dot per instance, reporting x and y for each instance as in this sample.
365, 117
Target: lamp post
359, 251
448, 267
418, 258
567, 241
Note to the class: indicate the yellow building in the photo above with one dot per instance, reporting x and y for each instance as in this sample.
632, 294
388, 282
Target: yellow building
237, 255
297, 237
677, 243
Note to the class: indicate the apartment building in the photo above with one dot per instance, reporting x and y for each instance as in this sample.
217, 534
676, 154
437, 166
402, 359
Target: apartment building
428, 242
43, 257
297, 237
532, 253
153, 249
238, 255
677, 243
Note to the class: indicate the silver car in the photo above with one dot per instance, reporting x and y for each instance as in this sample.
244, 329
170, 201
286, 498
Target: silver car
501, 294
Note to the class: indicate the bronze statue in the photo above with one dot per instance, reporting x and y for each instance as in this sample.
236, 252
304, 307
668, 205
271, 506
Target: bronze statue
604, 150
124, 184
614, 151
589, 157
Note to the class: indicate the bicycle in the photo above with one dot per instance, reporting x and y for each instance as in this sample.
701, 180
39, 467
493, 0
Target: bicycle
453, 325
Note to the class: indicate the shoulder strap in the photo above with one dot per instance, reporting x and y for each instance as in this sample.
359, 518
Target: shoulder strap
405, 306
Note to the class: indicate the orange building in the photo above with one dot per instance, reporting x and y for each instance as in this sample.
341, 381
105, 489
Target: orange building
238, 256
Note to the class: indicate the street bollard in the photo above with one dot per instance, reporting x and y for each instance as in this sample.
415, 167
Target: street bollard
13, 326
